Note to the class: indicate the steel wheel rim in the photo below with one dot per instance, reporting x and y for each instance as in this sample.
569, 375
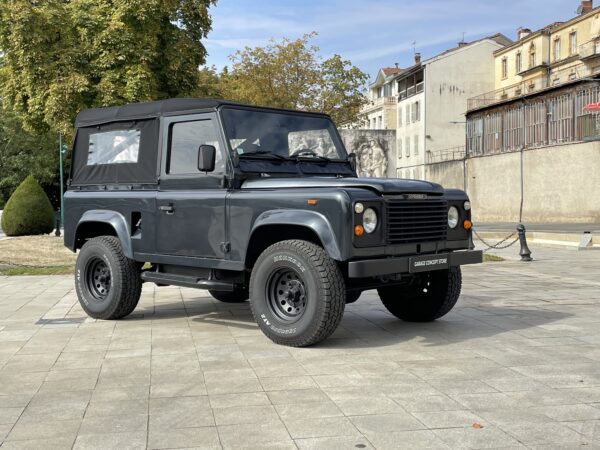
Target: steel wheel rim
98, 279
286, 295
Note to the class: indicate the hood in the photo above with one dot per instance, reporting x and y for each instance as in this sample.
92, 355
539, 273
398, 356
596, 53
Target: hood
381, 185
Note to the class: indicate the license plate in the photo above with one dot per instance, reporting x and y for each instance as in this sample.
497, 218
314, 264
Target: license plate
428, 263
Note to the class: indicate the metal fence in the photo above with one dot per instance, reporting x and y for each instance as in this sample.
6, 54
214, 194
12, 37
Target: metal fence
554, 119
447, 154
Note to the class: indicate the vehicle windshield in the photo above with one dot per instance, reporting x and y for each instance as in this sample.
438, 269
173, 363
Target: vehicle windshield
282, 135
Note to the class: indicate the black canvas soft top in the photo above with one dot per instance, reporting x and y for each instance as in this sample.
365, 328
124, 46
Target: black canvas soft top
151, 110
146, 110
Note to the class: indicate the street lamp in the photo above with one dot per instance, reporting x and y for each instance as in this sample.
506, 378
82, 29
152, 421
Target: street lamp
62, 150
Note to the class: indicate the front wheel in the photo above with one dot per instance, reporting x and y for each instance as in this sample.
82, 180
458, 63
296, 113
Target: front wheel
297, 293
430, 296
108, 284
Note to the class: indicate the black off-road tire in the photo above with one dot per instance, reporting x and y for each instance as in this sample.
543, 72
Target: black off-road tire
318, 280
124, 284
352, 296
431, 296
236, 296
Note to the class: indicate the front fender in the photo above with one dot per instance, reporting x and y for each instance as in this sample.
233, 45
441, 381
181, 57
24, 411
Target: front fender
115, 220
313, 220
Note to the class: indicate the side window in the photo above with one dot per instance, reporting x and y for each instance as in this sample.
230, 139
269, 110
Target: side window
185, 140
113, 147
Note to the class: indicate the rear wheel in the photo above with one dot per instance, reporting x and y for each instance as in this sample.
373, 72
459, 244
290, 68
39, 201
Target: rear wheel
108, 284
239, 295
297, 293
430, 296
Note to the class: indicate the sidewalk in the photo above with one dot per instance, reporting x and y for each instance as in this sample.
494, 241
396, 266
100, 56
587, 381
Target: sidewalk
554, 234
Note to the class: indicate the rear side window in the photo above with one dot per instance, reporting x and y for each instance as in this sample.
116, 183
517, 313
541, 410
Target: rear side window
186, 139
114, 147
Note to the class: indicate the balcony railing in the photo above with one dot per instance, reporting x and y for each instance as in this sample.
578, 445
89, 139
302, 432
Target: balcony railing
446, 154
379, 102
589, 127
555, 78
589, 50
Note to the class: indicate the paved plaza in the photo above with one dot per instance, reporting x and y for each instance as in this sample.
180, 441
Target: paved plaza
515, 365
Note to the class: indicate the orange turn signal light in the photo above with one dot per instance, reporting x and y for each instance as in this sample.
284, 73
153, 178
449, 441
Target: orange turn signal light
467, 224
311, 202
359, 230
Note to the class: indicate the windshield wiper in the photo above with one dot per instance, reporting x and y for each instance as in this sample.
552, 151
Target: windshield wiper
263, 154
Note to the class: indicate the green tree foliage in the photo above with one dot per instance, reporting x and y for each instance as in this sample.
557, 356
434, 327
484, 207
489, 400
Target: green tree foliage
292, 74
28, 211
22, 153
61, 56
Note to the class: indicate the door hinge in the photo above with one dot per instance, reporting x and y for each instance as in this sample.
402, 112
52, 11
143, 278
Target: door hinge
225, 247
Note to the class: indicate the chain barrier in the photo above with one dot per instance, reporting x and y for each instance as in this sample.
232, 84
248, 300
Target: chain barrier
498, 245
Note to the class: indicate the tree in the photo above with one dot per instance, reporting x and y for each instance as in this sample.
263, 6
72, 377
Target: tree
291, 74
61, 56
28, 211
23, 153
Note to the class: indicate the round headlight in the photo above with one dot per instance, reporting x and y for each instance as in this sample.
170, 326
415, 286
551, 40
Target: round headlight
467, 205
359, 208
369, 220
452, 217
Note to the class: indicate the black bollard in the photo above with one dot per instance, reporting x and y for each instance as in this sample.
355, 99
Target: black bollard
525, 253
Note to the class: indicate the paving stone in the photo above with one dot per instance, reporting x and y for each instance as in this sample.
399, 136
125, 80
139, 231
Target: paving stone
198, 438
111, 441
253, 435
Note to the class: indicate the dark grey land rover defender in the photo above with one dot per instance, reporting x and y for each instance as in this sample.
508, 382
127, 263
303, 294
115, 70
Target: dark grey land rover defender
254, 203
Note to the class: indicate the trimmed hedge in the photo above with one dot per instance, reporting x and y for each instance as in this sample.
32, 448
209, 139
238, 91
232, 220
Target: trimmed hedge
28, 211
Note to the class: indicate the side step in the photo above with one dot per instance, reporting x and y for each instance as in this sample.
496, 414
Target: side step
187, 281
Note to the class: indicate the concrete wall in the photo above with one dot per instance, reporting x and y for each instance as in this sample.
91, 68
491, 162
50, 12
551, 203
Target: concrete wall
561, 184
451, 79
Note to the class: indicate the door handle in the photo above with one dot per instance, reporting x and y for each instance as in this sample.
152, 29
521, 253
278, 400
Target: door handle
169, 209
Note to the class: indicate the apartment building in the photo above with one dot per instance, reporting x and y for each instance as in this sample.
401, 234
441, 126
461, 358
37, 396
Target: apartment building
432, 99
380, 110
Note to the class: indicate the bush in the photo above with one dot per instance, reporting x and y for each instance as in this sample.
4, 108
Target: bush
28, 211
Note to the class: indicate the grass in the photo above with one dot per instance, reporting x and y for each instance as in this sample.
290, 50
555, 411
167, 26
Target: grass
491, 258
35, 255
36, 270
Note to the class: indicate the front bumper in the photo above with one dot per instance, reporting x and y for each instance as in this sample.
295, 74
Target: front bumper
412, 264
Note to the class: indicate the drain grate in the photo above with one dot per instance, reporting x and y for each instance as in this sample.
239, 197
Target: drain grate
73, 321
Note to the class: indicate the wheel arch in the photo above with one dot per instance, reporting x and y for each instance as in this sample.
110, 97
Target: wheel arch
99, 222
280, 225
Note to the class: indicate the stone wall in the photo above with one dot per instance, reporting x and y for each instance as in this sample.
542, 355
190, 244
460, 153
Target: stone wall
375, 151
560, 184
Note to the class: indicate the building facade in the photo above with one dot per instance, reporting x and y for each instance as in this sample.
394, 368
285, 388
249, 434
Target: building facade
543, 83
380, 111
432, 100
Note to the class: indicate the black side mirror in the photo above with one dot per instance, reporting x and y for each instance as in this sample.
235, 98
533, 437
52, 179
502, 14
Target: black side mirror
206, 158
352, 160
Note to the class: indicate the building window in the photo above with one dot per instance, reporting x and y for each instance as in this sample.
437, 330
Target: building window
532, 56
518, 63
399, 148
416, 146
407, 114
381, 122
407, 146
374, 124
573, 43
400, 116
504, 68
416, 111
597, 46
557, 49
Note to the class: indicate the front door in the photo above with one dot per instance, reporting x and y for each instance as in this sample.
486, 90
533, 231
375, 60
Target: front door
191, 218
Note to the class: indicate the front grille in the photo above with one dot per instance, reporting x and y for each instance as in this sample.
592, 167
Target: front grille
415, 221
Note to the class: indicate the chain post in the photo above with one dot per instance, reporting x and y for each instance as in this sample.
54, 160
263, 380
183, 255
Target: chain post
525, 253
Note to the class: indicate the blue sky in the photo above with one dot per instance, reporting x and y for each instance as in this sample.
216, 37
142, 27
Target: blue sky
374, 33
